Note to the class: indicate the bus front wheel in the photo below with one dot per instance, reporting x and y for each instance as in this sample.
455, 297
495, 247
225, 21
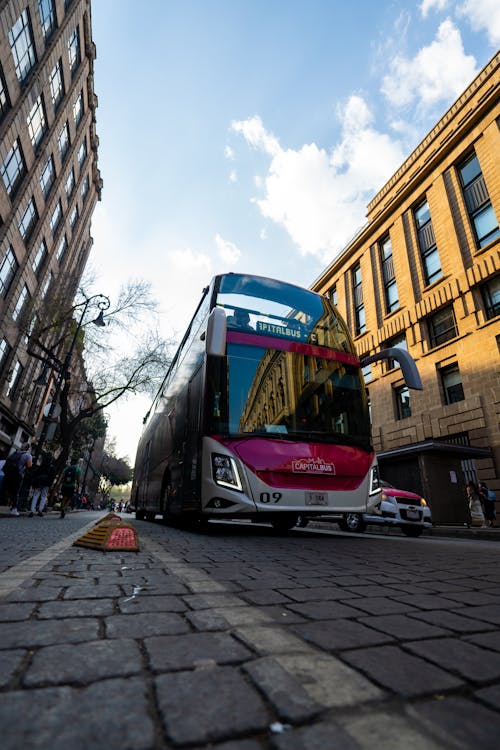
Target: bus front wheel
284, 523
140, 514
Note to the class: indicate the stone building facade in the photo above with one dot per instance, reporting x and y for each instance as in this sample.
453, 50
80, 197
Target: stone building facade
424, 274
49, 183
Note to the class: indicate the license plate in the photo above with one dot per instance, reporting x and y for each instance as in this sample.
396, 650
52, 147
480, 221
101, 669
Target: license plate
413, 515
316, 498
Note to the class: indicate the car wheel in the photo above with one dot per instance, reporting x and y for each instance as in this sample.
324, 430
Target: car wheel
412, 530
352, 522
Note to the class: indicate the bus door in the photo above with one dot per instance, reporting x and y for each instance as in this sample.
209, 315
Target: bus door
192, 460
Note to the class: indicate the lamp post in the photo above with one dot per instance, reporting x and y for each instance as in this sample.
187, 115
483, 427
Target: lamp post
103, 304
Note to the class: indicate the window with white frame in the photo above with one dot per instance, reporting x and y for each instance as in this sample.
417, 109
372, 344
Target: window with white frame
478, 201
22, 45
61, 249
74, 55
15, 379
46, 285
388, 275
56, 81
73, 217
47, 176
22, 300
37, 123
28, 221
63, 141
78, 109
56, 218
48, 20
13, 169
427, 244
40, 257
82, 152
4, 96
8, 269
84, 190
4, 353
70, 183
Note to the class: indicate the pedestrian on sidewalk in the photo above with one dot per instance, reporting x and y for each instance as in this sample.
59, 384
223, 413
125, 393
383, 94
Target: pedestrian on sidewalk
475, 507
69, 484
14, 469
43, 477
488, 499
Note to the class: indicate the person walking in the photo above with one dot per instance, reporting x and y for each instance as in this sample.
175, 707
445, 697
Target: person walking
475, 507
43, 477
488, 499
69, 484
14, 469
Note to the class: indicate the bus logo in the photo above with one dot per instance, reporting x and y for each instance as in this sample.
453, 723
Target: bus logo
312, 466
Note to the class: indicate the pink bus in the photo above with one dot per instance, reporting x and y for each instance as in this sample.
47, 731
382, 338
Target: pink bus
263, 413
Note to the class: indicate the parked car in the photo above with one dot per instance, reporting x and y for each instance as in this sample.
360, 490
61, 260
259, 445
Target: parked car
400, 508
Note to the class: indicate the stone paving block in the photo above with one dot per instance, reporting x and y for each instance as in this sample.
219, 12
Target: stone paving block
327, 610
62, 718
76, 608
281, 614
487, 640
423, 601
211, 601
207, 620
107, 591
172, 652
474, 598
490, 695
10, 661
403, 627
451, 621
381, 605
486, 613
83, 663
206, 705
318, 594
469, 724
340, 634
401, 672
290, 700
324, 736
145, 624
377, 729
139, 603
372, 590
31, 633
9, 612
466, 659
265, 596
34, 594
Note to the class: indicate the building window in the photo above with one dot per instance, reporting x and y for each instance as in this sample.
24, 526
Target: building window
359, 308
78, 109
85, 188
402, 397
4, 353
15, 379
70, 183
332, 294
47, 17
82, 152
28, 221
46, 285
21, 302
61, 250
37, 123
400, 343
73, 217
478, 201
491, 297
389, 279
40, 257
367, 373
8, 270
56, 218
427, 244
442, 326
13, 169
47, 176
21, 43
4, 96
56, 81
451, 381
74, 51
63, 141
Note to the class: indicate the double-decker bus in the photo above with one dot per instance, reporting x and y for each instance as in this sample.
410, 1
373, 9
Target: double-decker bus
263, 413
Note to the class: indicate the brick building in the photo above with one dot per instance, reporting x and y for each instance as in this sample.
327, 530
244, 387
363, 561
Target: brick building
49, 185
424, 274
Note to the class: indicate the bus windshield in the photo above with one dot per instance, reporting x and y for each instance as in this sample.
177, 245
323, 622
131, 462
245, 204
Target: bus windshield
273, 308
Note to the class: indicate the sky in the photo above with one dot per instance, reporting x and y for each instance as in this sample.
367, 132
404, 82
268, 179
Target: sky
249, 135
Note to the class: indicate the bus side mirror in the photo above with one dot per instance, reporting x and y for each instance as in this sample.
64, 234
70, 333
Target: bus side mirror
215, 339
408, 366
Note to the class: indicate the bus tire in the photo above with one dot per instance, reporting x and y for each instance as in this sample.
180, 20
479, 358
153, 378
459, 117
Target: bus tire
412, 530
284, 523
140, 514
150, 515
352, 522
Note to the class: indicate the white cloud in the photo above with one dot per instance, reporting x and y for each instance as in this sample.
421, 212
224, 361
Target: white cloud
319, 197
229, 153
427, 5
233, 177
483, 15
228, 252
437, 73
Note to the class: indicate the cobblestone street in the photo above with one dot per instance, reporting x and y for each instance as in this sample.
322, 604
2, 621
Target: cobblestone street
240, 639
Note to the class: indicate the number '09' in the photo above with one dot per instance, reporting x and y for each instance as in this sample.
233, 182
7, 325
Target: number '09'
266, 497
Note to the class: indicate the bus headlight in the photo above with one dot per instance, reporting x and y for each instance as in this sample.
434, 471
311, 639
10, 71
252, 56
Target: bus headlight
225, 472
